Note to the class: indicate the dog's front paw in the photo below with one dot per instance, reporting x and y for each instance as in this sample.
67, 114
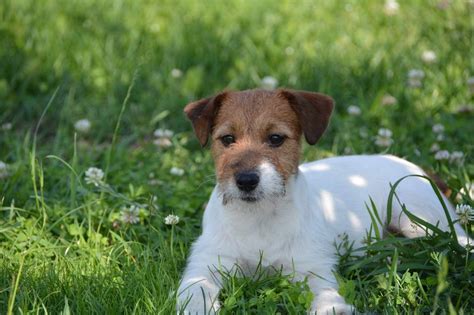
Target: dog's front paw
194, 302
330, 302
332, 309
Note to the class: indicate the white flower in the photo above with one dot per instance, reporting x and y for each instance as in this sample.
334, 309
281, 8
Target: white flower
467, 190
384, 138
354, 110
155, 182
82, 125
456, 157
428, 56
466, 213
130, 215
383, 142
391, 7
269, 83
3, 170
438, 128
94, 176
435, 147
7, 126
470, 84
416, 74
415, 77
163, 137
289, 50
163, 133
176, 171
176, 73
163, 142
171, 219
440, 137
442, 155
384, 132
388, 100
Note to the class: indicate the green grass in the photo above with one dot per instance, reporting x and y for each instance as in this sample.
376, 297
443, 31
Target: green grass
63, 245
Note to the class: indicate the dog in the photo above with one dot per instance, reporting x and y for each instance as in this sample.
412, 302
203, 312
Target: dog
266, 208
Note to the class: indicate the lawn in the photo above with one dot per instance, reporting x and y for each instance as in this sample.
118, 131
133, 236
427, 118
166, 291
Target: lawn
102, 84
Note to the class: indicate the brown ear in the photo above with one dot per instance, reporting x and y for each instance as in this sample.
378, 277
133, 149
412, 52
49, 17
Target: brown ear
313, 110
202, 114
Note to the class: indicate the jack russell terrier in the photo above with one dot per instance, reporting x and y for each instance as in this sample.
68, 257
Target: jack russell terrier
266, 207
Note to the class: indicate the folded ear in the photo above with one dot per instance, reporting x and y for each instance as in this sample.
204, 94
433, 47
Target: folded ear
202, 114
313, 110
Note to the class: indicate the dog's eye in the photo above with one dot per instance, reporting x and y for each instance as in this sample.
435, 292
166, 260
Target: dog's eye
227, 140
276, 140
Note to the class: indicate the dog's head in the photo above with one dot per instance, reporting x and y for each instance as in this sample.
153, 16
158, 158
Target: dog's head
256, 137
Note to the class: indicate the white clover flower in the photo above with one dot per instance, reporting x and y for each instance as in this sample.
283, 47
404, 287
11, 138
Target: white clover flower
442, 155
289, 50
176, 73
470, 84
7, 126
384, 138
466, 213
130, 215
171, 219
416, 74
415, 77
440, 137
354, 110
428, 56
388, 100
94, 176
176, 171
163, 133
467, 190
391, 7
384, 132
456, 157
269, 83
163, 142
3, 170
383, 142
82, 125
155, 182
438, 128
435, 147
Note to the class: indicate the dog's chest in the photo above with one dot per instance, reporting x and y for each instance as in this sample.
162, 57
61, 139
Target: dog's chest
275, 240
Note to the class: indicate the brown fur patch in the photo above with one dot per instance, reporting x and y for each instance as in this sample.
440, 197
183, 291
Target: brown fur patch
252, 116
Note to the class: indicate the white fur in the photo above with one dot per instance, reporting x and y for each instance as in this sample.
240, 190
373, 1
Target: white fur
297, 229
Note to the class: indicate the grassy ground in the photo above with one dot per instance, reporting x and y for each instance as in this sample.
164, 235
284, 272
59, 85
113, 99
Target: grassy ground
129, 67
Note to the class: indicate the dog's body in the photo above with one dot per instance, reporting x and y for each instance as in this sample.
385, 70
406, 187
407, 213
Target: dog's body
292, 218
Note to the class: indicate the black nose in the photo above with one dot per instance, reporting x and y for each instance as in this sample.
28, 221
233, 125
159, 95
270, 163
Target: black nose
247, 181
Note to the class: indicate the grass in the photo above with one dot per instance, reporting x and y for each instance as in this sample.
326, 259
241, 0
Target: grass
63, 245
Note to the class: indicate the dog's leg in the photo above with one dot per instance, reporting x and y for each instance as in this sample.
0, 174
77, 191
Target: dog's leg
420, 200
199, 289
327, 301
